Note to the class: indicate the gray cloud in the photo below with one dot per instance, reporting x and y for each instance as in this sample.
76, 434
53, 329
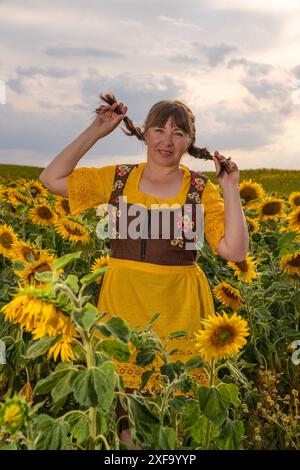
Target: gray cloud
68, 51
215, 54
296, 71
52, 72
253, 68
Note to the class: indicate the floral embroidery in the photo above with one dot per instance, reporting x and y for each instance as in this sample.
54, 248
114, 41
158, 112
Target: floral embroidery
118, 185
195, 196
198, 182
177, 241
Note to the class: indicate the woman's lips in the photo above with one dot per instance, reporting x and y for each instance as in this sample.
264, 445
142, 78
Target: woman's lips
165, 152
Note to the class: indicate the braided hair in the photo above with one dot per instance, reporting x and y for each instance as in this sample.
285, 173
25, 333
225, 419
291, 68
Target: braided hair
158, 114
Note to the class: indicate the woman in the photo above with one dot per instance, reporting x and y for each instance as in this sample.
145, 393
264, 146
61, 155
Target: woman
152, 276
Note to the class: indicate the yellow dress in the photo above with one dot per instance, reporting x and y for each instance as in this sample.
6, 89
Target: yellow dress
136, 290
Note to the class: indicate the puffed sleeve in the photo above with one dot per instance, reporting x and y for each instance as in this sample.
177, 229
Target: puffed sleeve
214, 220
88, 187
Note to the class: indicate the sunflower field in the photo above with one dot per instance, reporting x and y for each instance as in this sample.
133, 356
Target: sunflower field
59, 386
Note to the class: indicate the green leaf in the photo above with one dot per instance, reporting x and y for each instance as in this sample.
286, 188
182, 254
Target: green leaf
229, 394
231, 435
145, 377
72, 281
90, 278
87, 316
45, 385
116, 326
95, 386
53, 434
212, 405
116, 349
47, 276
167, 438
151, 321
144, 419
145, 357
197, 430
40, 347
286, 239
177, 334
79, 425
63, 386
194, 363
66, 259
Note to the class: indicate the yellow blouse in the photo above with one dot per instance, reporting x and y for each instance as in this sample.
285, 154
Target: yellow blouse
136, 290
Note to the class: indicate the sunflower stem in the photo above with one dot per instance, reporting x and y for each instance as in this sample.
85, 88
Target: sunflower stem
208, 423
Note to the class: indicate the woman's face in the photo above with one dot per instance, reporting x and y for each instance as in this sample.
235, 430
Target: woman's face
166, 145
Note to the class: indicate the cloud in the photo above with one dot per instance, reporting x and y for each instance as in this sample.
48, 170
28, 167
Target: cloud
179, 23
52, 72
215, 54
252, 68
69, 51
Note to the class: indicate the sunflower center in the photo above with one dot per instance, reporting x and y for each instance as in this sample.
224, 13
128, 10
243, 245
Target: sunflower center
34, 191
65, 205
44, 213
295, 261
6, 240
248, 194
26, 252
271, 208
74, 230
43, 267
230, 294
242, 266
223, 335
297, 201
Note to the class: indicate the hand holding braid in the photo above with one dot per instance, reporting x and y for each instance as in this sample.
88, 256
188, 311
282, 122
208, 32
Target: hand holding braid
114, 114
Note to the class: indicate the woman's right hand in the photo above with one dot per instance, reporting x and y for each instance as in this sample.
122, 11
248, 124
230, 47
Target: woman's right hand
107, 119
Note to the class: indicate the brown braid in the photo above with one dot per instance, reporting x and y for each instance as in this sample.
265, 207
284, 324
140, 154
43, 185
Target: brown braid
187, 121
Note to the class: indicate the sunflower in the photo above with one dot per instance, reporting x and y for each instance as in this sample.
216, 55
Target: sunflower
41, 318
62, 206
13, 415
294, 199
271, 208
64, 348
43, 264
251, 191
36, 189
294, 220
42, 215
7, 238
16, 198
26, 252
228, 295
71, 230
222, 336
99, 263
253, 224
244, 270
291, 263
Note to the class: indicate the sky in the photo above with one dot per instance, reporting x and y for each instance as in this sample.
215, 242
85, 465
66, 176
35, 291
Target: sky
236, 64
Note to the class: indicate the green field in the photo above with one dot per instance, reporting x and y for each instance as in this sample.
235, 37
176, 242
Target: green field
283, 182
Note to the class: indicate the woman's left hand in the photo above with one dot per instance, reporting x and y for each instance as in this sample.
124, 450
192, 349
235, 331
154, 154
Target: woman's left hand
227, 179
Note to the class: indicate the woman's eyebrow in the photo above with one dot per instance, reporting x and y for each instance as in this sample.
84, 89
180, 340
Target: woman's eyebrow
172, 128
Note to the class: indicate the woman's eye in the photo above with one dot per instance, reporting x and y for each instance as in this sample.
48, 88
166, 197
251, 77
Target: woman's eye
177, 133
